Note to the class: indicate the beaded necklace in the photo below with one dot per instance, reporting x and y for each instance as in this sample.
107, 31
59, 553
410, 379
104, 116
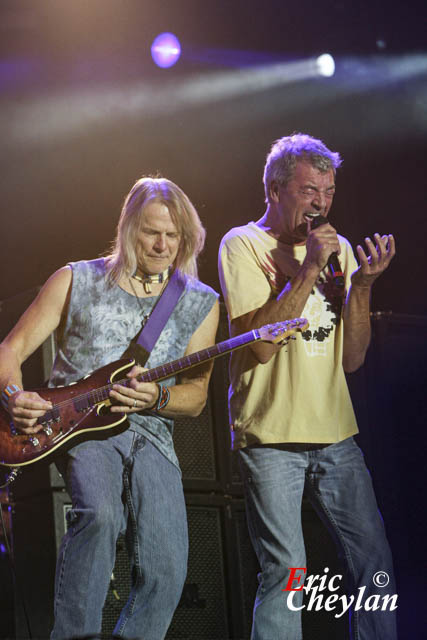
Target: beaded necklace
148, 280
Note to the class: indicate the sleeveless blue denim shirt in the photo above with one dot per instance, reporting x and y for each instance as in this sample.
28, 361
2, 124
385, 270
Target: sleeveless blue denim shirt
102, 320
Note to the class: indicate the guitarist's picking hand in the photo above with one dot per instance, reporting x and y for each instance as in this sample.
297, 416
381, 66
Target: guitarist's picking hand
25, 407
139, 396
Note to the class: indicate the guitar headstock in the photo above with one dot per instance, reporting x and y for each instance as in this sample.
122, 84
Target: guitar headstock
279, 331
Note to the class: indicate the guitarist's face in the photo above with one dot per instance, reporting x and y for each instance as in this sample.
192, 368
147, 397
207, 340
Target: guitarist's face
158, 240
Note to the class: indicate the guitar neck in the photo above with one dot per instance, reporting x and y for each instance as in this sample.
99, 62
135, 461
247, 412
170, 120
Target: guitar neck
165, 371
187, 362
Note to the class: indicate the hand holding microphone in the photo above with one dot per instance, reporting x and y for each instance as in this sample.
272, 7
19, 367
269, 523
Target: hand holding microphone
333, 261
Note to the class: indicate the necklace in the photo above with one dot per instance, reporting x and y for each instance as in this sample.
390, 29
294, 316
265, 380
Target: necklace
148, 280
145, 316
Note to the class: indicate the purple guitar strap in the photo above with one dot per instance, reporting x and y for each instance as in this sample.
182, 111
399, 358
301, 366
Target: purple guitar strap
159, 316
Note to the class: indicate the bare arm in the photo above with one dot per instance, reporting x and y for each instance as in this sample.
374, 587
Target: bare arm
189, 396
357, 327
321, 242
41, 318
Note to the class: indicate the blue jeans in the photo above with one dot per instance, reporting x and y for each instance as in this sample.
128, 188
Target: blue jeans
339, 486
119, 485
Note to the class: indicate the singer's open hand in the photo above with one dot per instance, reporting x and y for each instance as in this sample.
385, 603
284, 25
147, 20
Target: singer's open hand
375, 261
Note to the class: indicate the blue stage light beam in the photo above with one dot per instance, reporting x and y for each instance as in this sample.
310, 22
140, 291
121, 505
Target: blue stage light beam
58, 114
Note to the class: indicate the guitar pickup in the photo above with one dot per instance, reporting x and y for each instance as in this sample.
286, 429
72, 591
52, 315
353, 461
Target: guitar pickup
81, 404
50, 416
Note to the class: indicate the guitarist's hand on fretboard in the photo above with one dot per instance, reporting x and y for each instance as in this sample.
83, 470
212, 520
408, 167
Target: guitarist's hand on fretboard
139, 396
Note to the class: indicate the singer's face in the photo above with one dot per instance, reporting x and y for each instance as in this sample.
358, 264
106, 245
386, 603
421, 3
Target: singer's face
309, 193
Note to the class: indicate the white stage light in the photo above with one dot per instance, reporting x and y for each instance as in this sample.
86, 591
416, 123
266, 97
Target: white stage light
326, 65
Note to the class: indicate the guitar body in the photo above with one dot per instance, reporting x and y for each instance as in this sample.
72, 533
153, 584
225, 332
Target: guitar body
69, 423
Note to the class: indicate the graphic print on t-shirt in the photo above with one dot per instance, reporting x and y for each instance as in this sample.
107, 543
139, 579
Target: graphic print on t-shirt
322, 309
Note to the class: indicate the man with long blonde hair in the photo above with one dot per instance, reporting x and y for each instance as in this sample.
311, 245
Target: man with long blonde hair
128, 482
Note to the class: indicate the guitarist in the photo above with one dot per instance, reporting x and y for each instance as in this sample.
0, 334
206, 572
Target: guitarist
128, 482
292, 419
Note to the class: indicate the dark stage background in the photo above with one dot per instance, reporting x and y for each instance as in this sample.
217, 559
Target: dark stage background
84, 112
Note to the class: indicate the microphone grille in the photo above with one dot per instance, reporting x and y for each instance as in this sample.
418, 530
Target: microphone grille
318, 221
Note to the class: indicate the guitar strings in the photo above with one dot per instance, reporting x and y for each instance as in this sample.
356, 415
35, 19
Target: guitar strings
148, 374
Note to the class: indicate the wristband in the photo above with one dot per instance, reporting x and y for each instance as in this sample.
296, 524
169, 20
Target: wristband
8, 392
164, 397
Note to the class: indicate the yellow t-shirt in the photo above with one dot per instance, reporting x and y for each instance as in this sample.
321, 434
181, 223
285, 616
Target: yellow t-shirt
301, 394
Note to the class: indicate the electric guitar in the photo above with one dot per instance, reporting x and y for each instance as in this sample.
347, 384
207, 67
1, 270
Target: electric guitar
80, 410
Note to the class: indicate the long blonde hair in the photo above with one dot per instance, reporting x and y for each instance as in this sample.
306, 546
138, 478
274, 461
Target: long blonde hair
123, 259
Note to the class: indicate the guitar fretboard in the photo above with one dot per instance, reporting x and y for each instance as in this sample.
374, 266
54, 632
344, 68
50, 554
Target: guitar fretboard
187, 362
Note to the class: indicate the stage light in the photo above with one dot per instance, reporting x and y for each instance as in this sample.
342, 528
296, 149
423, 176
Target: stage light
58, 114
165, 50
326, 65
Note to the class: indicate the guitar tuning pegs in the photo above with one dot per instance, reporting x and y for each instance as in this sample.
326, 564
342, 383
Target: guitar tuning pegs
274, 330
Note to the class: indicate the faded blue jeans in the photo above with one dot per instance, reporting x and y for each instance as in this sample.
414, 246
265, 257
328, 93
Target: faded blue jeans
123, 484
339, 486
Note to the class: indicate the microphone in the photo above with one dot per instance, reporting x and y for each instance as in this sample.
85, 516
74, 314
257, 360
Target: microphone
333, 262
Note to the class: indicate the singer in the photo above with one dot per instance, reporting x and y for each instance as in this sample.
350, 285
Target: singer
291, 416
